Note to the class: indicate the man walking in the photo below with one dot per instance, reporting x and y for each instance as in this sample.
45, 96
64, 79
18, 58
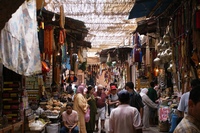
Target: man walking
101, 103
124, 118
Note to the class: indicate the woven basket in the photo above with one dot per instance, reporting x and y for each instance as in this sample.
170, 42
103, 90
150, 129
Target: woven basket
164, 126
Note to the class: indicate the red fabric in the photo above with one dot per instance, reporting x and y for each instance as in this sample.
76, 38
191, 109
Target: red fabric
137, 56
198, 19
45, 67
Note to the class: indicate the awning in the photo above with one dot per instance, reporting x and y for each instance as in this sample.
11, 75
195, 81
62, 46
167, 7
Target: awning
148, 8
120, 52
146, 26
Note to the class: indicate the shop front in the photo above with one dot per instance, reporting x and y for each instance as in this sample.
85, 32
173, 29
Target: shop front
37, 51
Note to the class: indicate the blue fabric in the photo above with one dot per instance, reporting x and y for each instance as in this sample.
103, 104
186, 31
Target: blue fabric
144, 7
173, 123
67, 63
140, 56
65, 130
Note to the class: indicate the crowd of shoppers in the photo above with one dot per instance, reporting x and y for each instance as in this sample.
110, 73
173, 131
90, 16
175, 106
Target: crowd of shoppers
101, 100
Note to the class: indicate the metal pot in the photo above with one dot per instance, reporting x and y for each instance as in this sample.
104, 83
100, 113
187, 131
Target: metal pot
166, 38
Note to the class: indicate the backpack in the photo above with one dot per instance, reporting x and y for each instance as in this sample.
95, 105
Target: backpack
136, 101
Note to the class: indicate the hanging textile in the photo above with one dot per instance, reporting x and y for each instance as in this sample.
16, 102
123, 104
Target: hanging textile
137, 49
48, 40
64, 53
147, 56
19, 47
41, 39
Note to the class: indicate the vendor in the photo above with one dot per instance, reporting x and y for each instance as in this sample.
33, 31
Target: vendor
70, 120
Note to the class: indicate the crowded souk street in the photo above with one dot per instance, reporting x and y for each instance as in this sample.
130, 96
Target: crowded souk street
100, 66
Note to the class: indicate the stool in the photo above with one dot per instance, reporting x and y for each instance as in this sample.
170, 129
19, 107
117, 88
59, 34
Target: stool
7, 129
18, 125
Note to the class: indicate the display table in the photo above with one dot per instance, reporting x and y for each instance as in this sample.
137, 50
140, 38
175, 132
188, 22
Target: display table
18, 125
53, 117
36, 131
7, 129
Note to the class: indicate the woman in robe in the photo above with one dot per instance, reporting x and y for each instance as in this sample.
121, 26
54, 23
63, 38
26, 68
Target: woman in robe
147, 105
80, 105
93, 109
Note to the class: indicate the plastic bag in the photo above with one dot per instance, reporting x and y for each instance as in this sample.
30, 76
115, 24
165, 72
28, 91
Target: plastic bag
87, 115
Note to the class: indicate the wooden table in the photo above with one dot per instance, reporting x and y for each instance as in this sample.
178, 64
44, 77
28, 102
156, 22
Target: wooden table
7, 129
18, 125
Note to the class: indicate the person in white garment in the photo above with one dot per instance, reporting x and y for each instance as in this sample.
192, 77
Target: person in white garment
183, 104
124, 118
147, 105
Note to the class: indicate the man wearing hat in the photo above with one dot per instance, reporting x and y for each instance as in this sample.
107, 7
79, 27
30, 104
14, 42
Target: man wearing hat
113, 98
124, 118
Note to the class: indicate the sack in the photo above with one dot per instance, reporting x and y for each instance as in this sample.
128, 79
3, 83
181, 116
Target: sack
87, 115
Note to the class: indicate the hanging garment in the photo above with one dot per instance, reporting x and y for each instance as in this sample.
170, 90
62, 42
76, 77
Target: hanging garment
57, 74
62, 36
147, 56
48, 40
137, 55
19, 47
41, 39
197, 19
45, 67
64, 55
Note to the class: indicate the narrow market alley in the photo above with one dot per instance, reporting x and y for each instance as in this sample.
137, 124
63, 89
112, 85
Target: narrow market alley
66, 63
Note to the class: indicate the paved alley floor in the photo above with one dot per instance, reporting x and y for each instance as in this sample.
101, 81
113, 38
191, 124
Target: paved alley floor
153, 130
149, 130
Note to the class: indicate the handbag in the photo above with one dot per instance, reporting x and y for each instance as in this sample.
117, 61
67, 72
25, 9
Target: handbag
87, 115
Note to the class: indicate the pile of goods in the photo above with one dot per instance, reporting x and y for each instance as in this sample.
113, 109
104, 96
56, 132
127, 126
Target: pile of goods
53, 107
37, 125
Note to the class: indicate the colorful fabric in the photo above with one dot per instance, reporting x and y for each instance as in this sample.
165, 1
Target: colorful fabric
19, 46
